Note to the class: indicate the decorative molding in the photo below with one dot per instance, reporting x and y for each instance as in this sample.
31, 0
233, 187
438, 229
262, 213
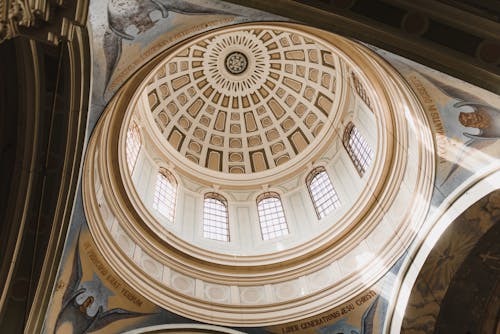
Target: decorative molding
273, 113
184, 328
198, 283
78, 52
48, 21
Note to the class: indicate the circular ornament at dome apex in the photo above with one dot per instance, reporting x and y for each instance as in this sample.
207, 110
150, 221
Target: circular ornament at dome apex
236, 62
245, 100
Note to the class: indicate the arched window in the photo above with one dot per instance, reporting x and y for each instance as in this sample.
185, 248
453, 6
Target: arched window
358, 149
165, 194
133, 145
215, 217
358, 86
271, 216
323, 195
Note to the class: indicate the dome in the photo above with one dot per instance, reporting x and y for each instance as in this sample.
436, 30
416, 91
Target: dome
254, 98
251, 174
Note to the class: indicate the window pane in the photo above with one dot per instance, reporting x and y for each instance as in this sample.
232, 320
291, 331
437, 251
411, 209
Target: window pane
215, 218
358, 86
323, 194
271, 216
133, 145
356, 145
164, 196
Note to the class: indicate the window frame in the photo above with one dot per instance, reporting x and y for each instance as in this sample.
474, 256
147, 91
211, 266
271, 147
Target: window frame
362, 155
281, 214
133, 132
336, 203
156, 198
361, 91
217, 197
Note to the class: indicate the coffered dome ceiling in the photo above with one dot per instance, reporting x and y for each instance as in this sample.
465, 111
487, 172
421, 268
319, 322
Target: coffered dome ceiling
245, 100
246, 109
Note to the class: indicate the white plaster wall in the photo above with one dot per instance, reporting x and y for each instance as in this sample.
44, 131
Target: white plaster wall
244, 227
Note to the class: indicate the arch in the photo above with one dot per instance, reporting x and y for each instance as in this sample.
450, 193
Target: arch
215, 217
322, 192
271, 216
458, 204
361, 91
133, 145
165, 194
183, 328
357, 147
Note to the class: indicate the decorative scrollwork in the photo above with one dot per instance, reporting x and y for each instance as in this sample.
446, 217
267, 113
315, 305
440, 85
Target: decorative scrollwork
14, 14
39, 19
